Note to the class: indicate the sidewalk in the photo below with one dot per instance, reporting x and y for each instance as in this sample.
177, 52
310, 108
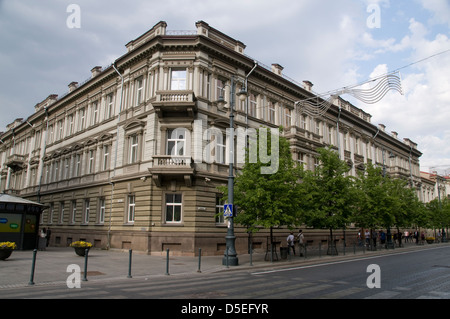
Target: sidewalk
51, 265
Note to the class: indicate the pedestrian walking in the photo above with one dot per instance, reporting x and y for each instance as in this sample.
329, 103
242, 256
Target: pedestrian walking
291, 242
42, 239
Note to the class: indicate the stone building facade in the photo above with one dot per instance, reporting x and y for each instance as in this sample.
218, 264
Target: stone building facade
132, 157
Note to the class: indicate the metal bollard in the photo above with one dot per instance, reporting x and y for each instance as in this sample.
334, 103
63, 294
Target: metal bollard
251, 254
86, 253
167, 263
33, 265
130, 252
199, 260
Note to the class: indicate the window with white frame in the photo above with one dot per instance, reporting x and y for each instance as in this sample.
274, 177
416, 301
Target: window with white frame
134, 148
95, 113
131, 208
61, 213
60, 130
105, 161
74, 212
173, 208
220, 88
109, 106
221, 148
252, 105
82, 121
77, 166
91, 162
87, 208
271, 112
176, 142
139, 90
101, 210
66, 168
220, 219
178, 79
287, 117
70, 125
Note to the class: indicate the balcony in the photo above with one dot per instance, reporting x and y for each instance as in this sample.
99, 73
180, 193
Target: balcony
172, 168
175, 104
16, 162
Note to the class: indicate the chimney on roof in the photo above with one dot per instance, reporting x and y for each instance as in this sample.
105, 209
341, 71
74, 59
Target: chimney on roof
308, 85
96, 71
382, 127
277, 69
73, 86
394, 134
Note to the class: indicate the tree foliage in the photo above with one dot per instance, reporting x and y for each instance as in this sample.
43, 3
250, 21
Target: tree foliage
268, 200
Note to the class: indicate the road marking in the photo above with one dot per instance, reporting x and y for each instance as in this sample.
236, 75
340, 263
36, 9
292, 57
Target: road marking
338, 262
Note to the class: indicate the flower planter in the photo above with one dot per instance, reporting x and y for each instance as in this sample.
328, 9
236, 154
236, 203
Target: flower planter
430, 241
81, 251
5, 253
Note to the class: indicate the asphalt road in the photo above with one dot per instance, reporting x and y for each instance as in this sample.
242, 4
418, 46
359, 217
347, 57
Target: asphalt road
420, 274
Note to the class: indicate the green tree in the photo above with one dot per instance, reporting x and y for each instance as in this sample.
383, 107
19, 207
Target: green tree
373, 202
268, 200
328, 193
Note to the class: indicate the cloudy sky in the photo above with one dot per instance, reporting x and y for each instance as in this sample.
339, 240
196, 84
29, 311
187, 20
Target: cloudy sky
333, 44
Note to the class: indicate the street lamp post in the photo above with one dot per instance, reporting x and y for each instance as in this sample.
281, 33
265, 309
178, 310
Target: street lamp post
230, 258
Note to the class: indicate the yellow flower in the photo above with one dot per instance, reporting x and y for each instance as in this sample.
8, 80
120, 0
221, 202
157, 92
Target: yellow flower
83, 244
8, 245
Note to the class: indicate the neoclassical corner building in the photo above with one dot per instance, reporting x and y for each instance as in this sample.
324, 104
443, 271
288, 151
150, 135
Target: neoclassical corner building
132, 157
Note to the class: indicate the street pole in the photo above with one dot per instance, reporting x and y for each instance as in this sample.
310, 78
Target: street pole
230, 257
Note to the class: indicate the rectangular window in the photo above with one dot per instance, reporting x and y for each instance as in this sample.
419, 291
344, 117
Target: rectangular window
220, 89
60, 130
87, 208
77, 166
82, 122
37, 140
252, 105
95, 112
70, 125
91, 161
173, 208
271, 114
105, 163
139, 90
101, 210
221, 148
220, 219
131, 208
110, 106
74, 212
51, 133
66, 168
287, 117
176, 142
61, 213
178, 80
134, 146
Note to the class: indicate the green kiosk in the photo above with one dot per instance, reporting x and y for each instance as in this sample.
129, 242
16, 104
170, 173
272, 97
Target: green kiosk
19, 221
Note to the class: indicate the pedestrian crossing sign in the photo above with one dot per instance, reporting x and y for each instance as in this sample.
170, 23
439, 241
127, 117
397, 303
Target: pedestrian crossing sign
228, 210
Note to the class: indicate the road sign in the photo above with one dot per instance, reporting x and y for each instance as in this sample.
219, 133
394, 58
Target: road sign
228, 210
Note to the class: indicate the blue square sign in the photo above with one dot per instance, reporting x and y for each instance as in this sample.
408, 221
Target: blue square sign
228, 210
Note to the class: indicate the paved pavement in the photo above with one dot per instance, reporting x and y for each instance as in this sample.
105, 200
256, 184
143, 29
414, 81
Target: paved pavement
51, 265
